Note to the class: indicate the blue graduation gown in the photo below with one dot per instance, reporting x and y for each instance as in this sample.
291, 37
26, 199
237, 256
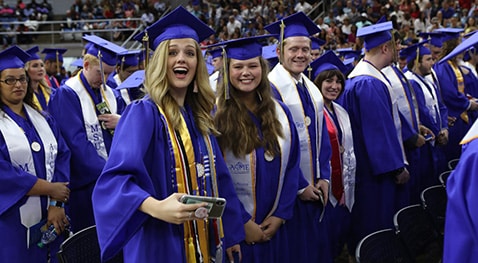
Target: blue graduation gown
307, 234
461, 224
267, 181
378, 152
111, 82
15, 184
141, 168
456, 102
86, 164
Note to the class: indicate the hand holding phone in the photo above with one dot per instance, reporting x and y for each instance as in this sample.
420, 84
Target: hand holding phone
214, 209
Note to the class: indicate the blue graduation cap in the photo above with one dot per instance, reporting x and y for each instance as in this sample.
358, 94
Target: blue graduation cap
328, 61
78, 63
463, 46
449, 33
180, 23
294, 25
54, 54
135, 80
243, 48
129, 58
269, 53
347, 53
375, 35
382, 19
215, 53
435, 38
13, 57
415, 51
33, 52
349, 64
316, 42
108, 50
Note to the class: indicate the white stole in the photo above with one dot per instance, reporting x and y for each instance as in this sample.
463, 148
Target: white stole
88, 109
364, 68
398, 91
349, 163
213, 81
243, 169
286, 86
19, 149
430, 94
471, 134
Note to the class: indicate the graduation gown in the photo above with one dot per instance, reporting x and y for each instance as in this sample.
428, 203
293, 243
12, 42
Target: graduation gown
309, 235
461, 224
378, 150
89, 143
276, 185
15, 182
142, 168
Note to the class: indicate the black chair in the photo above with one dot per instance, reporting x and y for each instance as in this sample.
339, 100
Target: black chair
434, 201
381, 246
83, 247
416, 231
452, 164
443, 177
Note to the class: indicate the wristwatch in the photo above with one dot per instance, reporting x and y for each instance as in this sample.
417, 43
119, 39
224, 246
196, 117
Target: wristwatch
57, 203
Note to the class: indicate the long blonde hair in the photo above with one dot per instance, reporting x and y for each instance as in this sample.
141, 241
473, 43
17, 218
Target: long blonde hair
239, 134
42, 82
157, 87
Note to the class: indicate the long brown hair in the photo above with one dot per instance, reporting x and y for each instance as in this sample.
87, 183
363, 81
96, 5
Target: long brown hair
28, 99
239, 134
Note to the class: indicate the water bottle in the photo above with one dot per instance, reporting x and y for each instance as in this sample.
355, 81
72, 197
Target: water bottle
48, 236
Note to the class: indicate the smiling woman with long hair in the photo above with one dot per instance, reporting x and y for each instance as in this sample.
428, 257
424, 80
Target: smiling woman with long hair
171, 152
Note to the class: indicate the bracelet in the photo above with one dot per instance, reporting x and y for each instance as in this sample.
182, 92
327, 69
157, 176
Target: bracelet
57, 204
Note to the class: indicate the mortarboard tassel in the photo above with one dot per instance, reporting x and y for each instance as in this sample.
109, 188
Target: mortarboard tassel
225, 74
282, 29
146, 48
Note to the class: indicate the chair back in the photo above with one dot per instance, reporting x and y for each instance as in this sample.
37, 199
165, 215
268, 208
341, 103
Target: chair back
453, 163
381, 246
434, 201
83, 247
443, 177
416, 230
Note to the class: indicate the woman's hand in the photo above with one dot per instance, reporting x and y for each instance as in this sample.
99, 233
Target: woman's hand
234, 249
170, 210
59, 191
270, 226
254, 233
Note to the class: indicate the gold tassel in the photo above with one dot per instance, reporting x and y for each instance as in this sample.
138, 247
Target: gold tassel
191, 256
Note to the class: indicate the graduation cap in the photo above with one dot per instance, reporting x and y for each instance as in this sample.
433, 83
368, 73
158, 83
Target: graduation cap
133, 81
54, 54
294, 25
215, 53
316, 42
382, 19
449, 33
33, 52
463, 46
129, 58
435, 38
349, 64
328, 61
108, 50
415, 51
180, 23
269, 53
347, 53
13, 57
375, 35
78, 63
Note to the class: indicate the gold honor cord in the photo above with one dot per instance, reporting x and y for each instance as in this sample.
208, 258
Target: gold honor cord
146, 48
281, 44
461, 87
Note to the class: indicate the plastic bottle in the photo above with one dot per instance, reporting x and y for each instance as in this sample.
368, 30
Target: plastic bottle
50, 235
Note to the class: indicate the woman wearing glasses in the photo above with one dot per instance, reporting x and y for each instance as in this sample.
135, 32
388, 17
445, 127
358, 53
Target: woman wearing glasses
34, 166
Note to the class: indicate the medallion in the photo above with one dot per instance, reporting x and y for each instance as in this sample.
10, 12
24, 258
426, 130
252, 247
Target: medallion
36, 147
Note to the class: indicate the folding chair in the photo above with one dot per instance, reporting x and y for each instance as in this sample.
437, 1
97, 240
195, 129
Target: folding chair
434, 201
381, 246
83, 247
453, 163
415, 229
443, 177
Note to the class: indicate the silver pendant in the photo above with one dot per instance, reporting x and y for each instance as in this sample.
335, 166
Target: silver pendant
36, 147
200, 169
268, 157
